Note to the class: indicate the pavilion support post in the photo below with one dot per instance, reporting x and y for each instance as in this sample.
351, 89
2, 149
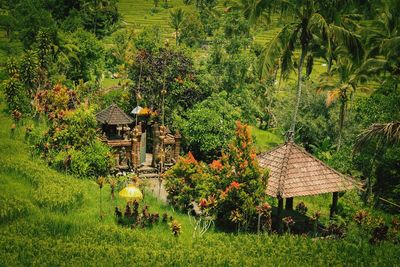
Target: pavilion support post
335, 197
289, 203
280, 209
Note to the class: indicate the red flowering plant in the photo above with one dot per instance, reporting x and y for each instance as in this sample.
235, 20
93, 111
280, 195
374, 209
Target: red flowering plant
240, 183
188, 181
72, 144
235, 182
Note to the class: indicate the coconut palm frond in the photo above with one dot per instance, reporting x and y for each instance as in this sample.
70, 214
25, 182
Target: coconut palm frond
319, 25
332, 96
287, 54
372, 66
253, 10
388, 133
350, 40
272, 51
290, 8
390, 47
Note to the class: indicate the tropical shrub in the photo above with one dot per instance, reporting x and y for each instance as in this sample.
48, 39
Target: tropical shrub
89, 161
71, 142
88, 64
187, 181
241, 182
16, 96
209, 126
231, 187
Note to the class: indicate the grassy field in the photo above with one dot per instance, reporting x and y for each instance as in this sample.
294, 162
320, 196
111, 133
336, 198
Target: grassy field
48, 218
265, 140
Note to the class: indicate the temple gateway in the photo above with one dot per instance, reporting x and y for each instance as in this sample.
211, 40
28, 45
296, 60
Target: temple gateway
138, 146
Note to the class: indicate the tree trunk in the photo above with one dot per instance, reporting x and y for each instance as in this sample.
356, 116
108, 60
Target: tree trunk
329, 64
341, 123
298, 95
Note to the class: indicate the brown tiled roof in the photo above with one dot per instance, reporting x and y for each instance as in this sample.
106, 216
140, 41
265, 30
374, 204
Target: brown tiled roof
295, 172
113, 115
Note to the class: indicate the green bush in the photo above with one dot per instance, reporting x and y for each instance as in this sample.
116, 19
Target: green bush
71, 144
192, 32
88, 162
209, 126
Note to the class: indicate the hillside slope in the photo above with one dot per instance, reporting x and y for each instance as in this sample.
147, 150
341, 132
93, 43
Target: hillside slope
48, 219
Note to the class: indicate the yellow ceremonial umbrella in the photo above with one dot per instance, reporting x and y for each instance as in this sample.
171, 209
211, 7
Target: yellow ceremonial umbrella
131, 193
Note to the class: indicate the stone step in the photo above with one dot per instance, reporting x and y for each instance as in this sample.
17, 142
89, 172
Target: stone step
147, 169
148, 175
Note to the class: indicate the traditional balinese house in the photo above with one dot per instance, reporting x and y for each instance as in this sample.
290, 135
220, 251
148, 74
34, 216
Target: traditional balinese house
116, 126
294, 172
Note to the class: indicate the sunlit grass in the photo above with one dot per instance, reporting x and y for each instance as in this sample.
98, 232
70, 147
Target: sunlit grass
265, 140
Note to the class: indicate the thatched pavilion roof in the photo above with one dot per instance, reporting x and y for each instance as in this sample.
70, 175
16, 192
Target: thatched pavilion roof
295, 172
113, 115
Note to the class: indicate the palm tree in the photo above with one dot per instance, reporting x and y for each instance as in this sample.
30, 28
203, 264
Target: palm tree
254, 10
341, 89
306, 23
176, 18
383, 41
382, 133
308, 29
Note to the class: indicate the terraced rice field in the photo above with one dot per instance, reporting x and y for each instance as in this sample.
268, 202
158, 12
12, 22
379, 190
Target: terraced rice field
138, 14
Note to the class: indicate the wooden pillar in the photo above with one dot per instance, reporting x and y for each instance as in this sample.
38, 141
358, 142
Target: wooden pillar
289, 203
280, 209
177, 150
335, 197
156, 143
